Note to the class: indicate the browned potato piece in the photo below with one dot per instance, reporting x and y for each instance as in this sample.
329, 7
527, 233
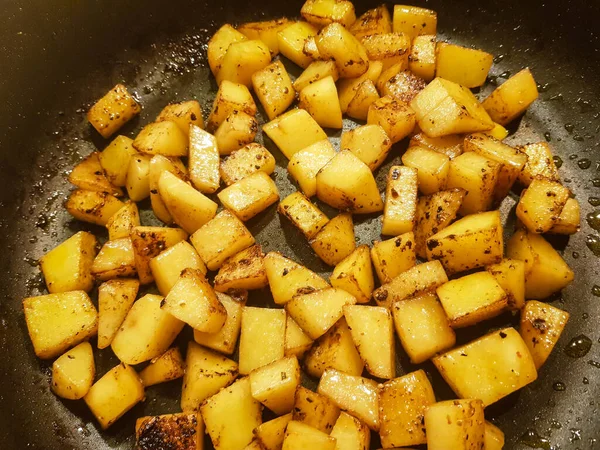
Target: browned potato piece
303, 214
389, 48
93, 207
113, 110
175, 431
432, 168
115, 259
541, 205
230, 97
336, 239
394, 256
115, 298
324, 12
162, 138
540, 163
569, 219
510, 275
219, 44
395, 117
115, 159
236, 131
275, 384
337, 43
347, 87
403, 86
422, 58
270, 434
296, 341
455, 424
246, 270
123, 221
373, 21
414, 21
451, 145
314, 409
183, 114
365, 96
354, 274
291, 42
73, 372
399, 214
166, 367
249, 196
316, 71
266, 31
246, 161
274, 89
512, 98
369, 142
88, 174
158, 165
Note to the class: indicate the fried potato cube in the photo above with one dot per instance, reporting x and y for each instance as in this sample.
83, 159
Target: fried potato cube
414, 21
495, 366
246, 161
265, 31
455, 424
115, 298
432, 168
541, 327
510, 275
115, 159
274, 89
73, 373
393, 256
546, 272
394, 116
242, 60
323, 12
512, 98
337, 43
291, 42
373, 21
310, 49
89, 175
348, 87
541, 204
119, 390
274, 385
336, 239
350, 433
138, 182
230, 97
204, 160
422, 327
298, 436
389, 48
569, 219
270, 434
419, 279
422, 57
303, 214
246, 270
317, 70
540, 163
113, 111
158, 165
162, 138
493, 438
236, 131
306, 163
480, 233
451, 145
403, 86
184, 114
183, 431
249, 196
122, 222
347, 183
93, 207
168, 265
320, 99
315, 410
231, 416
115, 259
399, 214
219, 44
387, 74
206, 373
262, 337
369, 143
354, 274
166, 367
294, 131
296, 341
468, 67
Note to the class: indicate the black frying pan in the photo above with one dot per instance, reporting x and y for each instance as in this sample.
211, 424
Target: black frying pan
56, 58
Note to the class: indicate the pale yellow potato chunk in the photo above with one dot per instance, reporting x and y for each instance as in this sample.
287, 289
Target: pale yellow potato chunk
422, 58
230, 97
414, 21
122, 223
369, 142
315, 410
350, 433
274, 89
113, 111
399, 214
270, 434
510, 275
317, 70
115, 159
306, 163
569, 220
299, 436
296, 341
468, 67
291, 42
393, 256
115, 298
274, 385
455, 424
166, 367
242, 60
162, 138
320, 99
137, 181
541, 204
204, 160
73, 373
237, 130
167, 267
354, 274
294, 131
337, 43
262, 337
432, 168
249, 196
335, 241
303, 214
115, 259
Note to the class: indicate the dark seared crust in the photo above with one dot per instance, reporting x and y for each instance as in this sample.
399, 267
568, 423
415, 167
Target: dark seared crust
168, 432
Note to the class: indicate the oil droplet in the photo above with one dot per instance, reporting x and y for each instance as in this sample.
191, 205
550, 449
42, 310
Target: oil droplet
584, 105
585, 316
578, 138
569, 127
499, 58
593, 220
584, 163
579, 346
586, 381
595, 364
572, 156
593, 243
594, 201
548, 137
532, 439
558, 161
31, 261
596, 291
555, 424
559, 386
504, 74
575, 434
33, 239
543, 87
596, 182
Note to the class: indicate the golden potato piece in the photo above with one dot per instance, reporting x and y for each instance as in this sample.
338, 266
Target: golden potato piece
204, 160
262, 337
303, 214
121, 224
422, 57
395, 116
93, 207
335, 241
89, 175
246, 161
162, 138
510, 275
370, 143
337, 43
455, 424
468, 67
294, 131
181, 431
219, 44
432, 168
314, 410
541, 205
394, 256
113, 111
274, 385
291, 42
399, 214
512, 98
168, 265
414, 21
373, 21
306, 163
249, 196
320, 99
115, 259
274, 89
299, 435
73, 373
354, 274
115, 298
265, 31
166, 367
246, 270
115, 159
323, 12
230, 97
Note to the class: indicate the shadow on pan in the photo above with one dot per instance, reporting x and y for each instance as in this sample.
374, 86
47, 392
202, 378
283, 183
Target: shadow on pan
57, 58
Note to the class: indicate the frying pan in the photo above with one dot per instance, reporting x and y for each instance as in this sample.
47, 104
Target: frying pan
57, 58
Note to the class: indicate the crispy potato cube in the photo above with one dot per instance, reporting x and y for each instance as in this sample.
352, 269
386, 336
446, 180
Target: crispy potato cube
510, 275
115, 159
394, 116
89, 175
419, 279
353, 394
58, 321
296, 341
394, 256
512, 98
422, 327
246, 270
158, 165
337, 43
270, 434
369, 143
274, 385
93, 207
230, 97
569, 219
546, 272
320, 99
166, 367
119, 390
468, 67
480, 233
291, 42
455, 424
495, 365
122, 222
184, 114
403, 86
422, 57
231, 415
115, 259
115, 298
366, 95
249, 196
541, 327
311, 50
354, 274
471, 299
236, 131
336, 239
317, 70
451, 145
113, 111
399, 214
176, 431
219, 44
288, 278
414, 21
387, 74
168, 265
350, 433
323, 12
540, 163
274, 89
318, 311
303, 214
389, 48
147, 331
206, 373
300, 436
262, 337
541, 204
432, 168
315, 410
493, 438
306, 163
138, 182
348, 87
373, 21
334, 350
242, 60
162, 138
73, 373
294, 131
265, 31
204, 160
246, 161
347, 183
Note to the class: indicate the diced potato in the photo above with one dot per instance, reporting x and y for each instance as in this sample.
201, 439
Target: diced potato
403, 86
270, 434
493, 438
419, 279
115, 259
432, 168
59, 321
158, 165
236, 131
511, 98
138, 183
231, 416
337, 43
422, 327
334, 350
167, 267
230, 97
471, 299
347, 183
274, 385
480, 233
122, 222
242, 60
394, 256
399, 214
422, 58
389, 48
296, 341
294, 131
219, 44
300, 436
162, 138
317, 70
369, 143
266, 31
115, 158
455, 424
274, 89
306, 163
336, 239
181, 430
246, 161
184, 114
488, 368
546, 272
115, 298
204, 160
541, 204
541, 327
414, 21
403, 403
288, 278
540, 163
468, 67
320, 99
569, 219
220, 238
318, 311
93, 207
315, 410
167, 367
348, 87
206, 373
353, 394
113, 111
354, 274
246, 270
498, 132
114, 394
193, 301
510, 275
323, 12
373, 21
249, 196
88, 175
303, 214
394, 116
451, 145
225, 339
372, 330
350, 433
262, 337
291, 42
73, 373
387, 74
147, 331
310, 49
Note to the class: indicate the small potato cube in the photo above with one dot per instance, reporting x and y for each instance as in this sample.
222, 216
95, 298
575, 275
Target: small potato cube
350, 433
369, 143
511, 98
138, 183
236, 131
318, 311
270, 434
115, 259
310, 49
93, 207
480, 233
296, 341
354, 274
162, 138
291, 42
468, 67
300, 436
59, 321
451, 145
220, 238
274, 385
337, 43
113, 111
510, 275
274, 89
541, 204
114, 394
115, 158
305, 164
122, 222
303, 214
422, 327
246, 270
394, 256
315, 410
373, 21
177, 431
320, 99
262, 337
265, 31
323, 12
394, 116
366, 95
432, 168
206, 373
167, 267
242, 60
73, 373
541, 327
471, 299
250, 195
115, 298
403, 86
204, 160
455, 424
219, 44
88, 175
422, 57
317, 70
294, 131
399, 214
540, 163
183, 114
246, 161
347, 183
387, 74
419, 279
336, 240
569, 219
389, 48
230, 97
414, 21
494, 437
348, 87
495, 366
158, 165
167, 367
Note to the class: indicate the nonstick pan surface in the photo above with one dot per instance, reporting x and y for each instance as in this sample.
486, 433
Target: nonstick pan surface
57, 58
